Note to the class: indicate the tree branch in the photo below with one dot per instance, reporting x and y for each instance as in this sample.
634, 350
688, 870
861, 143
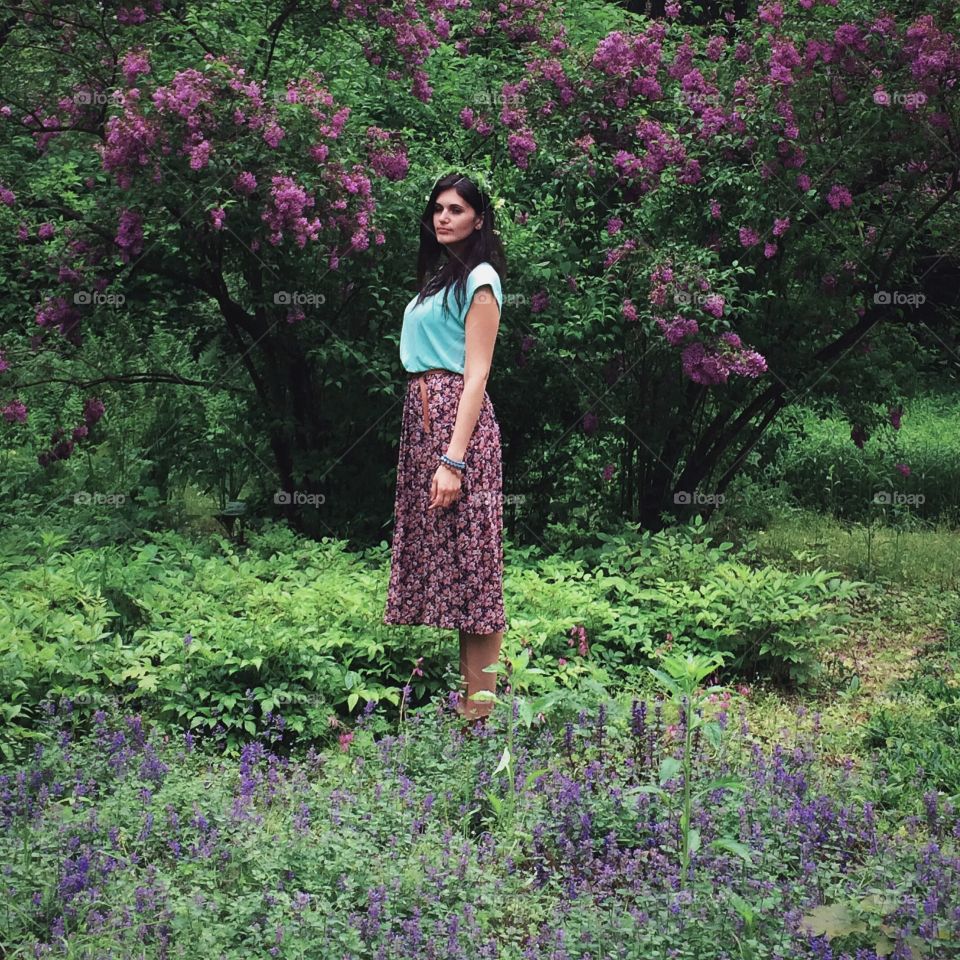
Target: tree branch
273, 33
132, 378
712, 444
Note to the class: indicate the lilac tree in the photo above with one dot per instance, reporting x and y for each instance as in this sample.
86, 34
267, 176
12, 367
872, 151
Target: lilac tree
714, 218
768, 190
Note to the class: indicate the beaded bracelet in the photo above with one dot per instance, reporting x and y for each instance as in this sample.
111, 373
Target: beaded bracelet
458, 465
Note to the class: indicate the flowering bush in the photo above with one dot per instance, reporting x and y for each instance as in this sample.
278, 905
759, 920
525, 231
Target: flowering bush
733, 211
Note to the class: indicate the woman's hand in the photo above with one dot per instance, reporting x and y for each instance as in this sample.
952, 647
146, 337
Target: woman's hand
445, 488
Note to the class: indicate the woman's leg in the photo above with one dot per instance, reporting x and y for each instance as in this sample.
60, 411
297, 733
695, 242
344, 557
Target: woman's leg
477, 650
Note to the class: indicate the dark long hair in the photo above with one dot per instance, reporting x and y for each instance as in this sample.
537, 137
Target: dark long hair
435, 266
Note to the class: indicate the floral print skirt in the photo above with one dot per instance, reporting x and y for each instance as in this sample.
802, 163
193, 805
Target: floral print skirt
446, 566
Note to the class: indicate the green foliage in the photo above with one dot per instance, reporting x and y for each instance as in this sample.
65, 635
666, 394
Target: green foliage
198, 634
675, 587
824, 470
205, 634
914, 738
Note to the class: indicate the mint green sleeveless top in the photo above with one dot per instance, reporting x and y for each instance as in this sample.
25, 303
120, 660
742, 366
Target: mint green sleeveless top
434, 336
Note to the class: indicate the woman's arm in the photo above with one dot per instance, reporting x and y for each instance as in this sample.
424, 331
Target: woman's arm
482, 323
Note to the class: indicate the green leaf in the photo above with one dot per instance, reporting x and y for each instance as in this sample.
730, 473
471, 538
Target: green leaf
525, 713
666, 682
504, 761
713, 733
742, 907
647, 788
720, 783
884, 946
669, 768
733, 846
882, 903
831, 920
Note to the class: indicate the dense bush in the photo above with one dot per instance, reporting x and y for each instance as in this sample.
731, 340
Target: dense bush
708, 216
675, 587
203, 631
912, 471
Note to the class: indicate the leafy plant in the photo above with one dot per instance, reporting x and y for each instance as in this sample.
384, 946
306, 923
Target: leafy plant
675, 588
519, 678
682, 681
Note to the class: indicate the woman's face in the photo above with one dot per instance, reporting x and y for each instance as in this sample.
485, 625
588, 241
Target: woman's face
454, 219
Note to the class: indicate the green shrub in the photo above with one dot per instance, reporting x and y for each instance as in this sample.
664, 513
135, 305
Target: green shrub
674, 587
825, 471
200, 633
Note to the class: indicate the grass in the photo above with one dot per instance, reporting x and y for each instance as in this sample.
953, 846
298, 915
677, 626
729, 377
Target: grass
915, 599
919, 558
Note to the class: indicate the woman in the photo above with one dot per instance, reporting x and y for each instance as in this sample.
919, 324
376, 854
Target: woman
447, 555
